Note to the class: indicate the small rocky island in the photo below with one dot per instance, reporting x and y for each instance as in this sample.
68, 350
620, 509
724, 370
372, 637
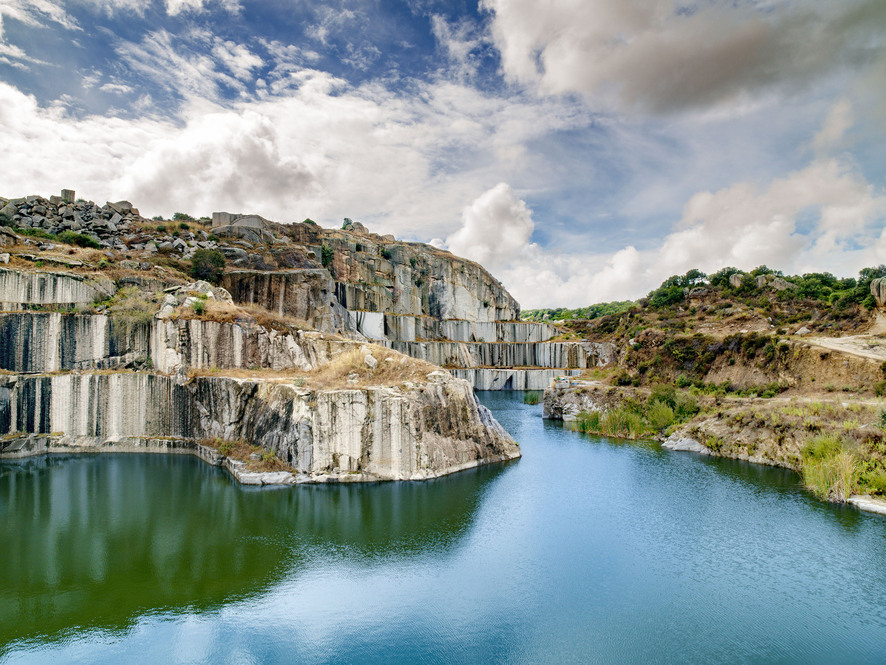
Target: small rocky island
288, 353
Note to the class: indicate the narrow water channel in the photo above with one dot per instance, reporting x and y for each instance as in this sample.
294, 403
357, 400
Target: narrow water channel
583, 551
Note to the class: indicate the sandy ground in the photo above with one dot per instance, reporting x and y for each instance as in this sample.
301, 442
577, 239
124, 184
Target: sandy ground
871, 344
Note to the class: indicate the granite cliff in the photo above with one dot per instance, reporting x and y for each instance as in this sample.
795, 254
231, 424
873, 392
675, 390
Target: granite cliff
109, 344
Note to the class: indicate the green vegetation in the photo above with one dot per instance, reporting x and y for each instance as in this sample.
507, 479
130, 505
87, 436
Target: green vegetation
590, 312
79, 239
829, 470
637, 417
326, 255
208, 265
33, 233
67, 237
532, 397
182, 217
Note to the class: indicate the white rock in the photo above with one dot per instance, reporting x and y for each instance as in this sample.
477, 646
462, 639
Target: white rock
370, 361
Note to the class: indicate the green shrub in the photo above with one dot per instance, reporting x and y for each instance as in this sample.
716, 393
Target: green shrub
588, 421
829, 471
622, 422
73, 238
33, 233
659, 415
326, 255
199, 306
208, 265
532, 397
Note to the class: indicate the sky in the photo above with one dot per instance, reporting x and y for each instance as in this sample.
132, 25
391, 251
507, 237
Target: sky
581, 150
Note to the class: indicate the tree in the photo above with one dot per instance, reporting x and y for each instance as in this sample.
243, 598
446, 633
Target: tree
208, 265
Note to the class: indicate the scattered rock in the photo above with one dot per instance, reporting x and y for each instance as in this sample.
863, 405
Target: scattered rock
684, 443
370, 361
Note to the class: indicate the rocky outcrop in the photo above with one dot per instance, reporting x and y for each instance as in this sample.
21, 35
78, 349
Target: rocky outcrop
306, 295
565, 399
19, 288
194, 343
380, 275
375, 433
510, 355
511, 379
878, 290
407, 328
36, 342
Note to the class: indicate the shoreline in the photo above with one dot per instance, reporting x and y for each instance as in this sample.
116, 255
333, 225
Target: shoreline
48, 444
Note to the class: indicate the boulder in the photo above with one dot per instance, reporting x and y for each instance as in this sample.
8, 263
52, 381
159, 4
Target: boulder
736, 280
878, 290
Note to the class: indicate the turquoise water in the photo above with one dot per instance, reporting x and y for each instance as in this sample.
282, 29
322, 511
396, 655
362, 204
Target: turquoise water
583, 551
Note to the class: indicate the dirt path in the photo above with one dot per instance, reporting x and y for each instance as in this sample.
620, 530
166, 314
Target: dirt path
868, 346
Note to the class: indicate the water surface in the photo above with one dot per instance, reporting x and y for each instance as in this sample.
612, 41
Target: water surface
584, 551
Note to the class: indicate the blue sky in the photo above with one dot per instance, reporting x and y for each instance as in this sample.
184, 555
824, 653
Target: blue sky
583, 150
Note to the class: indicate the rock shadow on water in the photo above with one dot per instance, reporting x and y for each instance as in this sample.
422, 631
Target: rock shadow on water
94, 542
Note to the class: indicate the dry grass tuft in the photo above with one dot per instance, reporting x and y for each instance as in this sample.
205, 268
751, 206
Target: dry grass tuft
223, 312
243, 451
349, 370
346, 370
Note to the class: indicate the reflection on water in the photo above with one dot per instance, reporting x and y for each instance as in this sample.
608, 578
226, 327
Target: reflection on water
584, 551
93, 541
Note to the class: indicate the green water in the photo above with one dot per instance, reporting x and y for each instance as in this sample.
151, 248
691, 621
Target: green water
585, 551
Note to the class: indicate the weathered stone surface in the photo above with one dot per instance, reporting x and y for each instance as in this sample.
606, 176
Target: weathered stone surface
482, 354
365, 434
49, 342
736, 280
684, 443
878, 290
48, 288
378, 433
303, 294
511, 379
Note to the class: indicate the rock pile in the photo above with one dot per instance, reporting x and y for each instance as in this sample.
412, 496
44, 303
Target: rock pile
115, 225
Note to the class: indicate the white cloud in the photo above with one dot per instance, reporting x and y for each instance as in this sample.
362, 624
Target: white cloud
662, 55
239, 60
495, 228
743, 225
321, 149
119, 88
836, 125
33, 13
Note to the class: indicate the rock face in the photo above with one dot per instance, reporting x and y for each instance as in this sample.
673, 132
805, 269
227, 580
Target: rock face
51, 342
18, 288
878, 290
380, 433
307, 294
366, 434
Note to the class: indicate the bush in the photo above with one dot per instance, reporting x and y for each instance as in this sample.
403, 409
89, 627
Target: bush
182, 217
208, 265
72, 238
659, 415
588, 421
531, 397
829, 471
326, 255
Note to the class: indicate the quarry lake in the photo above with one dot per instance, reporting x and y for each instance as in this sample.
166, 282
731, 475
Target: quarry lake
584, 551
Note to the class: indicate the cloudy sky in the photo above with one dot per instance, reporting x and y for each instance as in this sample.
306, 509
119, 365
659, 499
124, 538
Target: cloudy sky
582, 150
